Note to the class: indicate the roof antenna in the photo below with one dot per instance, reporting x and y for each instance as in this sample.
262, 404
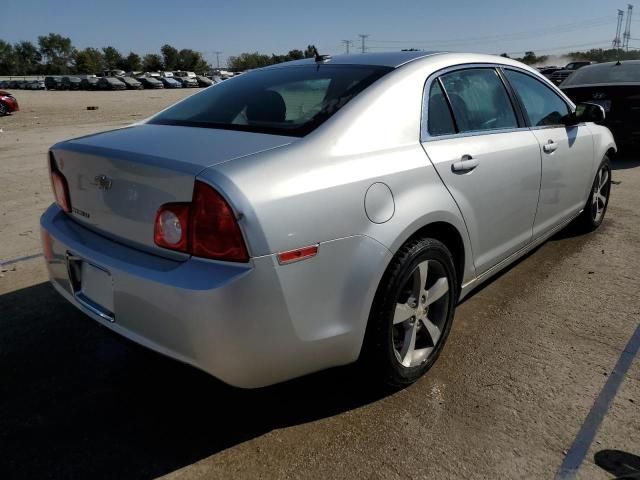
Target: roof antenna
320, 58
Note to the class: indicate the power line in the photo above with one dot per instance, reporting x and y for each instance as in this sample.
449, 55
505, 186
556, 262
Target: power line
363, 36
627, 30
347, 44
217, 53
558, 29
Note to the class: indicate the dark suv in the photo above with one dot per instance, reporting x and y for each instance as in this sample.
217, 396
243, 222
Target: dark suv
53, 83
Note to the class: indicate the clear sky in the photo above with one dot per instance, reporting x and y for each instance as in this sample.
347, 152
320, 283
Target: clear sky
236, 26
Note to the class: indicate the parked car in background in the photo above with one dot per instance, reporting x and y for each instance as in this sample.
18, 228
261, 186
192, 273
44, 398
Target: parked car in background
70, 83
310, 214
204, 81
113, 73
548, 71
110, 83
14, 84
89, 83
150, 82
8, 103
131, 83
615, 86
170, 82
560, 75
4, 83
187, 82
53, 82
188, 79
36, 85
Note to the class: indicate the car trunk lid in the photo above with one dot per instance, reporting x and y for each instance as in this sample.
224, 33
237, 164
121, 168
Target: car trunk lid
118, 179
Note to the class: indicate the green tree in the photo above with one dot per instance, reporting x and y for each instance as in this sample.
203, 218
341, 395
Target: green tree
7, 58
57, 52
27, 58
530, 58
192, 61
152, 62
170, 57
112, 58
295, 55
248, 61
310, 52
89, 60
132, 62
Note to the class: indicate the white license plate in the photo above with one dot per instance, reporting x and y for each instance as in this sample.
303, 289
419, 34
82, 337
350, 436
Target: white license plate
606, 104
96, 284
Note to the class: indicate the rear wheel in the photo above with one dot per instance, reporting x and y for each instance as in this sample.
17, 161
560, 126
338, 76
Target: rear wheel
598, 201
412, 313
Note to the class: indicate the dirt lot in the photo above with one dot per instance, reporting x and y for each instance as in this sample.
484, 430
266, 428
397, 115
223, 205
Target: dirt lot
530, 356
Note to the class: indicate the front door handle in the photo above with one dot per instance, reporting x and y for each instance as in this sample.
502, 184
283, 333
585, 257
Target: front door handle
465, 164
550, 147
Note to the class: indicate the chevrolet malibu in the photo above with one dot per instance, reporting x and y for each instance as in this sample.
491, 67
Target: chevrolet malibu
321, 212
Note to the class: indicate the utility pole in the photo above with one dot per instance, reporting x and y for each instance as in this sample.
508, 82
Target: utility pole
363, 36
217, 52
627, 30
617, 43
347, 44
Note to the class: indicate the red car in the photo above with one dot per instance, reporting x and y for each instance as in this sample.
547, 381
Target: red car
8, 103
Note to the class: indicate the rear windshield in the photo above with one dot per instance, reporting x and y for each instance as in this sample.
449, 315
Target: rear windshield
605, 73
283, 101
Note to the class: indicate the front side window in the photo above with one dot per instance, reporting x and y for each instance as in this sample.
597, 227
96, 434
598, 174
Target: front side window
479, 100
283, 101
543, 106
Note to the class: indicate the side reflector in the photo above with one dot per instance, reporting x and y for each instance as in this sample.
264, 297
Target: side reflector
296, 255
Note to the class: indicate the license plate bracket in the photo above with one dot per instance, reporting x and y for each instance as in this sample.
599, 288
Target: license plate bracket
92, 286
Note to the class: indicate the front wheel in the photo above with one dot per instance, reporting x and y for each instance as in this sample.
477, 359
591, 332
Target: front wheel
412, 313
3, 109
598, 201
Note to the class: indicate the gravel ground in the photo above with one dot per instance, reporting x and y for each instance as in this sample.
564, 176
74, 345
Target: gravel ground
528, 355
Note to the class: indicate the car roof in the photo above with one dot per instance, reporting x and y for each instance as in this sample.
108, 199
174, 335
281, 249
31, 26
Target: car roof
382, 59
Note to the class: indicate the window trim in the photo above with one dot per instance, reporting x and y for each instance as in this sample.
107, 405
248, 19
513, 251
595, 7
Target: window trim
515, 101
558, 93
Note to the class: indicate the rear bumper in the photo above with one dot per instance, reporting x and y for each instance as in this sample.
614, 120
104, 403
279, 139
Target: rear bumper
249, 325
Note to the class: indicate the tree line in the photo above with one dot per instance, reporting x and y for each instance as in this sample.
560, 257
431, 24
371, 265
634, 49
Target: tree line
249, 61
55, 55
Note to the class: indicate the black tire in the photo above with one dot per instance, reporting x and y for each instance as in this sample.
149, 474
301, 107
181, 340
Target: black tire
380, 357
3, 109
593, 213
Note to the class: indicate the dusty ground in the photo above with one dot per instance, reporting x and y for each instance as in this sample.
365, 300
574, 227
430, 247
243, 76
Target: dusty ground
527, 357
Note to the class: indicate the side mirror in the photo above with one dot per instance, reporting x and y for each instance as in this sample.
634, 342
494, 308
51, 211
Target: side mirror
589, 112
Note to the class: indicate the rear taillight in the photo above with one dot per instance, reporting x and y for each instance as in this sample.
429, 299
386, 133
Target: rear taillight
172, 226
206, 227
59, 186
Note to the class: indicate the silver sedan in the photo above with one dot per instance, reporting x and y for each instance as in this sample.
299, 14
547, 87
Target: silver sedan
321, 212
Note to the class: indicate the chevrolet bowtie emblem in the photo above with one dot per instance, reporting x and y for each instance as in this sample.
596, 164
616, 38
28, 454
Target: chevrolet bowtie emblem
102, 182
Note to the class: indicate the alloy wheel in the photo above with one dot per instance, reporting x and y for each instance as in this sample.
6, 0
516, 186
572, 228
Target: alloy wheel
420, 314
600, 195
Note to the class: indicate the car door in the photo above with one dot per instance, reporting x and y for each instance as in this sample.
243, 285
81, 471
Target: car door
567, 151
486, 157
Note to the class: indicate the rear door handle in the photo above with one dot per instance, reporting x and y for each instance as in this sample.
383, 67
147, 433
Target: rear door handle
465, 164
550, 147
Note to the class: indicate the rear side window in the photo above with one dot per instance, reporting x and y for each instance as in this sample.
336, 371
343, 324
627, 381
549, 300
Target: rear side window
479, 100
542, 105
291, 100
439, 119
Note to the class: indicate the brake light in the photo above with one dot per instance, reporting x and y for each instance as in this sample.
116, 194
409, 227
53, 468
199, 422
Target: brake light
59, 186
215, 230
206, 227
